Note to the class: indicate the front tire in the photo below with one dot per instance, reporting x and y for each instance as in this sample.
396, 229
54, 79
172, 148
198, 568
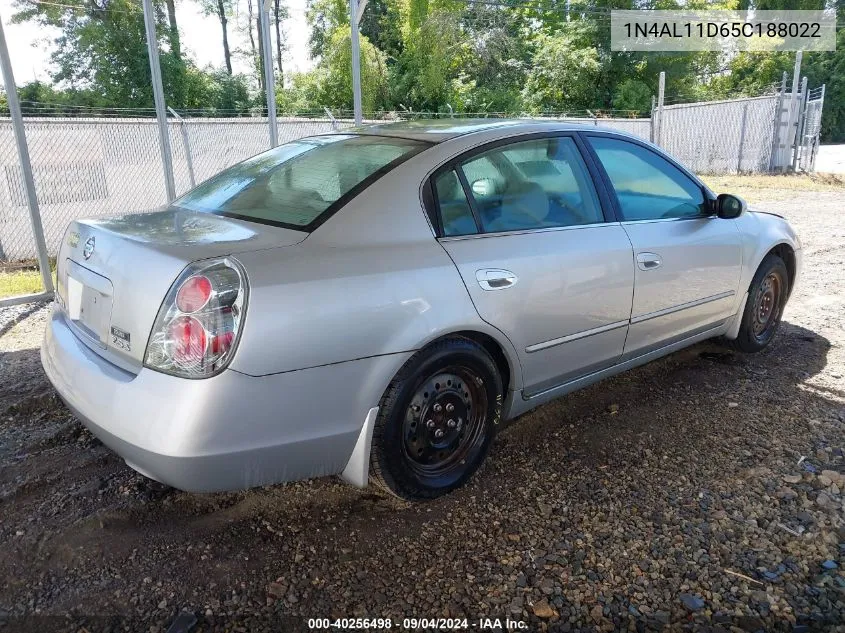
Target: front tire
436, 420
767, 297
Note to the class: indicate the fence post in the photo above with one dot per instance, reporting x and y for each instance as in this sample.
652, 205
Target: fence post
741, 138
793, 109
329, 114
774, 158
799, 129
26, 166
651, 136
661, 89
187, 144
269, 73
158, 97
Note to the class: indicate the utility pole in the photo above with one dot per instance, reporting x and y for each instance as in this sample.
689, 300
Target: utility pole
26, 166
158, 97
269, 77
355, 12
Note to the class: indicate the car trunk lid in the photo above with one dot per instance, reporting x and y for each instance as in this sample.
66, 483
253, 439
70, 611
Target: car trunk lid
113, 273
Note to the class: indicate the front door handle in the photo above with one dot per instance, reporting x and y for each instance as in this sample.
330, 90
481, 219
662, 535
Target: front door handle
648, 261
495, 278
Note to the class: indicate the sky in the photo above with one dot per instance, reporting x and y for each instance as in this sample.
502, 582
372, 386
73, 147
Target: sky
201, 36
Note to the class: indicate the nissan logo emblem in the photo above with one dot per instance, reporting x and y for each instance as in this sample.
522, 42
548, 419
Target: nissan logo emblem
89, 248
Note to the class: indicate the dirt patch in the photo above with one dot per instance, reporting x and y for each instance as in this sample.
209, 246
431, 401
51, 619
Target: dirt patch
688, 493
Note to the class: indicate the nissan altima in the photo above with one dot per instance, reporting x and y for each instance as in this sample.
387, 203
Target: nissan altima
375, 303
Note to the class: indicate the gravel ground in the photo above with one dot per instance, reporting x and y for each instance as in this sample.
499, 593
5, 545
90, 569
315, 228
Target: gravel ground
700, 492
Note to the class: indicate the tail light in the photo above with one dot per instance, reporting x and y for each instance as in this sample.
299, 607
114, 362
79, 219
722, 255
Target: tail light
197, 327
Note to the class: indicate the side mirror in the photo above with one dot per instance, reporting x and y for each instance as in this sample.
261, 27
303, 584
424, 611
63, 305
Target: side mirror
729, 206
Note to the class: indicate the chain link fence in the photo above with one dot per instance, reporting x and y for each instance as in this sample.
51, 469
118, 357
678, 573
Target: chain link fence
88, 167
720, 136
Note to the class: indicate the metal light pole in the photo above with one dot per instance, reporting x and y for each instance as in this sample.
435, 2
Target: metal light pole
26, 166
355, 13
158, 97
269, 75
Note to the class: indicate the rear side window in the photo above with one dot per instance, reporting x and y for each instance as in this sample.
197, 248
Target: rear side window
298, 184
455, 212
647, 186
520, 186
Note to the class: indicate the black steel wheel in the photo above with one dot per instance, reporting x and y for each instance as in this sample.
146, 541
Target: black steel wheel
767, 302
767, 295
437, 420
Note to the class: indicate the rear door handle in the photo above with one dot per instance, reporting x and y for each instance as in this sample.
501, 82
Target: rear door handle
648, 261
495, 278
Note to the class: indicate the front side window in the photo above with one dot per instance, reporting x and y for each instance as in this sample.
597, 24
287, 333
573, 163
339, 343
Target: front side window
293, 185
532, 184
647, 186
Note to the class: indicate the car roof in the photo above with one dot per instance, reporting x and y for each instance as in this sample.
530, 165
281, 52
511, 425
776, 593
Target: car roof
438, 130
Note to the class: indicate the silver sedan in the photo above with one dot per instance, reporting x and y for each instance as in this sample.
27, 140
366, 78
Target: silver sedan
376, 303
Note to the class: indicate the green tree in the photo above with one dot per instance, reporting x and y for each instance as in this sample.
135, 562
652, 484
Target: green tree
496, 59
280, 14
221, 9
229, 94
828, 68
324, 16
564, 71
425, 76
634, 95
381, 24
103, 47
335, 72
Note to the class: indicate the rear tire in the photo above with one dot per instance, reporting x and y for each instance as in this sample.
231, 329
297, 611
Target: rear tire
436, 420
767, 297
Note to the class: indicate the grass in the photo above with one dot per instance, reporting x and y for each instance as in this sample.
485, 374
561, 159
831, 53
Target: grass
21, 279
760, 187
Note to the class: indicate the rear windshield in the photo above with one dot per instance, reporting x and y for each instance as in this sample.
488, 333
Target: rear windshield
300, 184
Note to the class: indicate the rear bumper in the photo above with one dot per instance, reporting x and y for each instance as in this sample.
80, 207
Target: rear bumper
228, 432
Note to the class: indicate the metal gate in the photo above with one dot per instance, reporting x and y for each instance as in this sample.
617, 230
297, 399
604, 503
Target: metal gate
809, 129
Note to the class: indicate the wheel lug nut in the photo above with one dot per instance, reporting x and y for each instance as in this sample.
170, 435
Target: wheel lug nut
438, 408
450, 407
438, 433
430, 424
451, 423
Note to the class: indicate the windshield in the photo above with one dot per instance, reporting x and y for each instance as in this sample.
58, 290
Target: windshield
300, 184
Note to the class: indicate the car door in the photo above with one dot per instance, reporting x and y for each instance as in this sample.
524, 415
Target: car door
525, 226
687, 260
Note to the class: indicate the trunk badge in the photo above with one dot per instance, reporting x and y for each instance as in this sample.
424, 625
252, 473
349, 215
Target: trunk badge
89, 248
